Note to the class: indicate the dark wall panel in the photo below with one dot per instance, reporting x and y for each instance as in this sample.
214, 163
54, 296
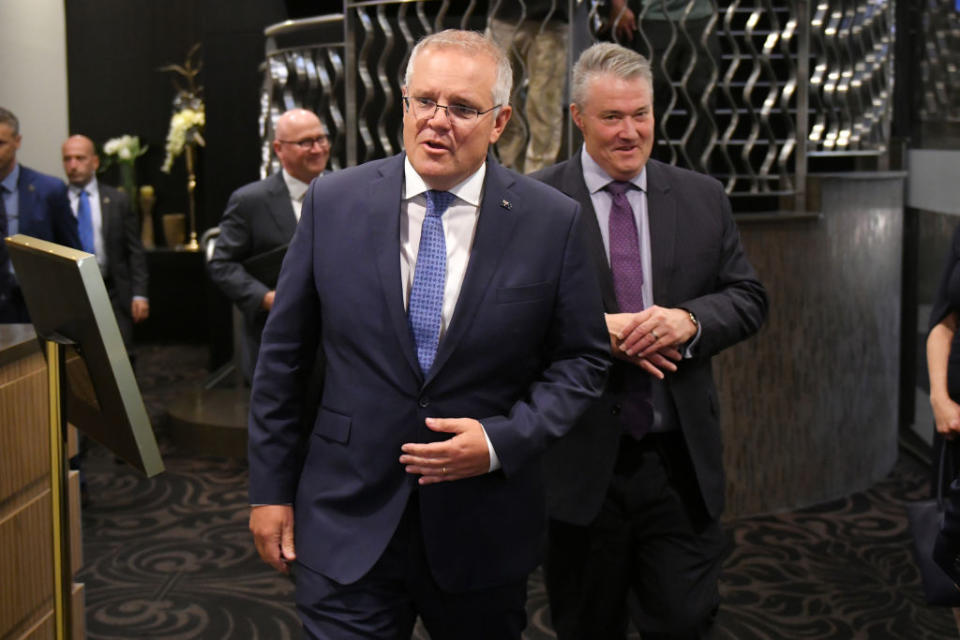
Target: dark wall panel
114, 51
809, 405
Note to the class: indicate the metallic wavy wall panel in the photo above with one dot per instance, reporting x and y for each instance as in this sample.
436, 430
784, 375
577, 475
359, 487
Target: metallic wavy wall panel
851, 86
304, 67
940, 62
755, 87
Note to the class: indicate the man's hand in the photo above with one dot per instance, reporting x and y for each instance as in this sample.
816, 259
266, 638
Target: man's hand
267, 302
462, 456
272, 528
623, 21
139, 309
946, 414
654, 363
654, 328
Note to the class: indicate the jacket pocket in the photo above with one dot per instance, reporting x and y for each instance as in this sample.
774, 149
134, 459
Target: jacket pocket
332, 426
526, 293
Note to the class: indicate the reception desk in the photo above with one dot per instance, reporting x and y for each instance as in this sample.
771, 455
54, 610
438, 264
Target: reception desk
26, 546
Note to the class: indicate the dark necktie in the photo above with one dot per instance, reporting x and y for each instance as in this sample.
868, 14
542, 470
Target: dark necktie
627, 268
3, 213
6, 277
85, 222
425, 309
6, 280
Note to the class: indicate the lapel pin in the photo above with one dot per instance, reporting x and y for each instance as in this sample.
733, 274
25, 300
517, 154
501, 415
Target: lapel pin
506, 205
106, 200
31, 188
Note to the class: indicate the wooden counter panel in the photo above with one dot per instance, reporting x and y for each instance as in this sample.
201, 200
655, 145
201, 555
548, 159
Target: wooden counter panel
45, 629
26, 563
75, 527
24, 438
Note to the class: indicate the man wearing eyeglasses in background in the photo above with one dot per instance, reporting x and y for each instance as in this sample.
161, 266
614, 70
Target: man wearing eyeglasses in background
463, 331
261, 217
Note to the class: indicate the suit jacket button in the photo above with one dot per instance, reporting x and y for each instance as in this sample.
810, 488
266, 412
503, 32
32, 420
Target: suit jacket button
424, 402
615, 410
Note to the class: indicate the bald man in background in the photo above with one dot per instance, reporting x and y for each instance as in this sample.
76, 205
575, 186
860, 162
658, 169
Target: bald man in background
111, 232
262, 216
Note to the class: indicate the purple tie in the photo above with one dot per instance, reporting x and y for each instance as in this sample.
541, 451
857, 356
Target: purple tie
627, 268
625, 250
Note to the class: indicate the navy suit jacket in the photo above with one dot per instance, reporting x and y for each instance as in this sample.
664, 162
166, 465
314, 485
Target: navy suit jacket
698, 264
127, 274
525, 353
43, 211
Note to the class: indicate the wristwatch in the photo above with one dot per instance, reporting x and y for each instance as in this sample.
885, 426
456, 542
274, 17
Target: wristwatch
693, 319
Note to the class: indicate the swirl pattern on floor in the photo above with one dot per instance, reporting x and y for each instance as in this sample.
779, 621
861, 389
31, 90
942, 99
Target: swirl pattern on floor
171, 557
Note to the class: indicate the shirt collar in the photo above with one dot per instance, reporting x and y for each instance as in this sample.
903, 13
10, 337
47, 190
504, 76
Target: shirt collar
10, 182
92, 188
469, 190
596, 178
295, 186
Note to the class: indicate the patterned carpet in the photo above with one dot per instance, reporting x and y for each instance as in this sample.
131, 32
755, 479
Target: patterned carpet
171, 557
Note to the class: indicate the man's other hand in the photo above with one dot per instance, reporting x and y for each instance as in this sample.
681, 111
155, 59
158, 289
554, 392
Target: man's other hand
267, 302
462, 456
272, 528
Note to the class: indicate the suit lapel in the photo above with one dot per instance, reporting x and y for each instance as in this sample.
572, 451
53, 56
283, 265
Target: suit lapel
662, 217
575, 187
27, 204
280, 206
106, 213
494, 231
384, 207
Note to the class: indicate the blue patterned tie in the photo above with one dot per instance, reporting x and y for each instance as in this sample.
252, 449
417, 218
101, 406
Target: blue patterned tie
85, 222
426, 294
627, 268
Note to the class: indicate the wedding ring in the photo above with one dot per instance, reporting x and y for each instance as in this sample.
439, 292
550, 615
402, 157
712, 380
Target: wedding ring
654, 334
443, 471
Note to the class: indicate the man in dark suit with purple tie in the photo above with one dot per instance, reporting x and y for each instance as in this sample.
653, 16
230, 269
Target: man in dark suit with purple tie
462, 329
31, 203
636, 489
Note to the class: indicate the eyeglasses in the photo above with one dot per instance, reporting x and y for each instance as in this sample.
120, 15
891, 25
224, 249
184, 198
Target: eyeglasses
427, 108
307, 143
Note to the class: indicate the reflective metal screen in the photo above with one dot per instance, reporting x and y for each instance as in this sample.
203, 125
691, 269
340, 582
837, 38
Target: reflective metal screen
746, 90
940, 61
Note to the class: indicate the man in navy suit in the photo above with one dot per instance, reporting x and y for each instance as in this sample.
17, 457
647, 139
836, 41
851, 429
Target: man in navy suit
31, 203
463, 332
636, 489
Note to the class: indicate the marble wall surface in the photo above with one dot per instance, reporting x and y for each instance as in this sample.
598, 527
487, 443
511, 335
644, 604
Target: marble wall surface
809, 405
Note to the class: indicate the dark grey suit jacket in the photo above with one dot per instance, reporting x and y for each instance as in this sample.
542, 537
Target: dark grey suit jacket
126, 275
698, 264
258, 218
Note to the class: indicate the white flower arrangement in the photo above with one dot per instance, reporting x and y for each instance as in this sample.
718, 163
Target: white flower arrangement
124, 151
186, 127
126, 148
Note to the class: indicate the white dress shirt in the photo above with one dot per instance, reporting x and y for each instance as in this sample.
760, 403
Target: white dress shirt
297, 189
459, 226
